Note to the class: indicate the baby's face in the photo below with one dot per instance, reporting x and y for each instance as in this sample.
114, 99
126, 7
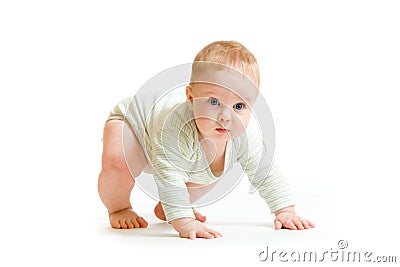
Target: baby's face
220, 114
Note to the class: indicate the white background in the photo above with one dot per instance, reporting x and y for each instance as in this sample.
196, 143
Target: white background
330, 74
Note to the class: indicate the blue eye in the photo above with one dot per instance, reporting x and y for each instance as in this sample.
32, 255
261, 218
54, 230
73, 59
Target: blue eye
239, 106
213, 101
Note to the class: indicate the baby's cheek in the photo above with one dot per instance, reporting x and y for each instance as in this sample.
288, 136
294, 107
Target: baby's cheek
237, 129
197, 107
204, 124
206, 112
242, 121
245, 124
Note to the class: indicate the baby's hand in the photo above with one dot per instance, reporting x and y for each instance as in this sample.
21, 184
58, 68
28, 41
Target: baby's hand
195, 229
287, 218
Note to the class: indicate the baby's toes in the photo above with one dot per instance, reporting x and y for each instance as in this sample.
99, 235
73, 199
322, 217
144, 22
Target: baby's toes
134, 223
115, 224
129, 223
199, 216
123, 224
142, 222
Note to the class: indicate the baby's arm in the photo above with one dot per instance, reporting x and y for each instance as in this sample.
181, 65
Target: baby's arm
287, 218
172, 190
273, 188
176, 206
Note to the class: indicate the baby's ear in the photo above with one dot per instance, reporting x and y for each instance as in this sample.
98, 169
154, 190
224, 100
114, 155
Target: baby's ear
189, 97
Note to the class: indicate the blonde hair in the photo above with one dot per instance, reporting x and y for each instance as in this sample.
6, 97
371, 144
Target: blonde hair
232, 54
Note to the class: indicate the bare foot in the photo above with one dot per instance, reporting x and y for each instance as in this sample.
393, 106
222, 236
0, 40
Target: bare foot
126, 219
159, 212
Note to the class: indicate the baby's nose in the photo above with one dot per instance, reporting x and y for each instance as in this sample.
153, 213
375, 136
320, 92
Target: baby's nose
224, 114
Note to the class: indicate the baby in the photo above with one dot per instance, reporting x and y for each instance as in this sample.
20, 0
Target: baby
188, 143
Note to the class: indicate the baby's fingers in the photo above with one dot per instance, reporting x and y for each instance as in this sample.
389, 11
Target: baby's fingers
305, 224
290, 225
192, 235
214, 233
278, 225
205, 234
298, 224
310, 224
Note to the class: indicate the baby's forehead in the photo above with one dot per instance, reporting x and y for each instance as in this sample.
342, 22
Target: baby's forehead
212, 71
204, 89
210, 88
226, 80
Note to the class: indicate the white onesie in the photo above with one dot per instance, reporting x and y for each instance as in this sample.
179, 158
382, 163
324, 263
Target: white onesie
167, 132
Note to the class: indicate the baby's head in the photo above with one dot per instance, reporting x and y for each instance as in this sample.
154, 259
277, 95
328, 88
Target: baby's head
224, 85
227, 53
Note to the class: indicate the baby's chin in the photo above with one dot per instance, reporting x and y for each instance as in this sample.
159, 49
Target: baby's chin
218, 136
226, 137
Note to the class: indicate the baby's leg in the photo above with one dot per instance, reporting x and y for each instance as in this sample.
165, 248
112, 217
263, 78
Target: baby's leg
122, 160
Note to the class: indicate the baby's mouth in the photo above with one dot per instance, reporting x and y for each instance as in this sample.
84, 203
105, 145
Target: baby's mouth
222, 130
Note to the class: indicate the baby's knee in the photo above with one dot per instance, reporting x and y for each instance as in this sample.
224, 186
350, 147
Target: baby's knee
114, 162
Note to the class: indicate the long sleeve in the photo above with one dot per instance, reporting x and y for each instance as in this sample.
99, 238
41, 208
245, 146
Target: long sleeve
263, 175
170, 166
